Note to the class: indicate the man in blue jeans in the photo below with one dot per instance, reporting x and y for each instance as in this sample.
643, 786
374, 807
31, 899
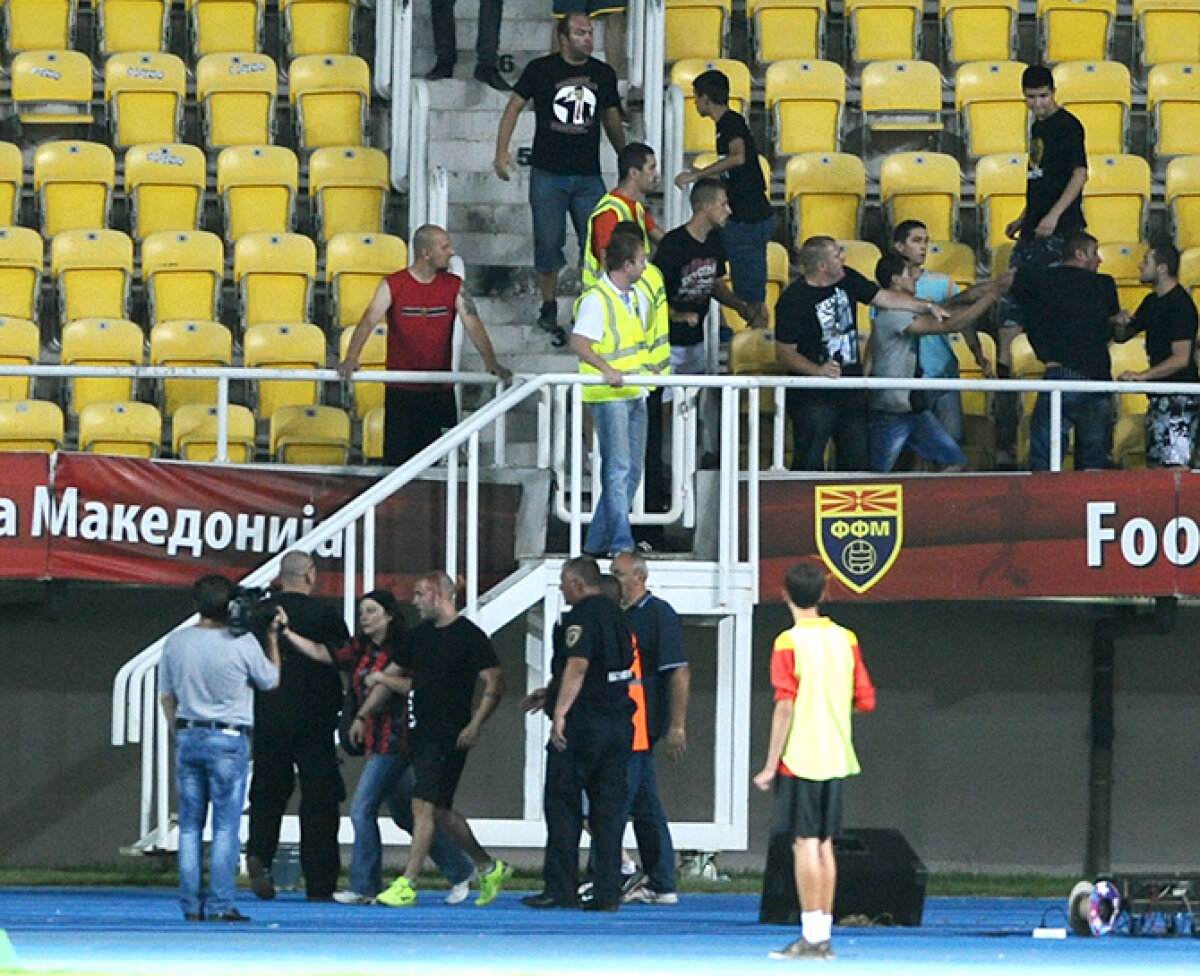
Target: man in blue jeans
206, 682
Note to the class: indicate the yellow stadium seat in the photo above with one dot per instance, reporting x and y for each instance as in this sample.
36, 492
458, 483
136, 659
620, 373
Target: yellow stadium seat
31, 425
1099, 94
355, 264
12, 178
131, 25
1001, 257
318, 26
787, 29
21, 256
883, 30
955, 260
129, 429
274, 274
257, 186
330, 95
52, 88
979, 429
697, 28
699, 135
704, 160
1075, 30
225, 26
1173, 101
778, 276
1166, 32
978, 30
194, 433
862, 256
825, 193
165, 187
924, 187
1116, 203
999, 195
145, 94
39, 25
902, 97
1183, 200
1189, 271
805, 100
310, 435
73, 182
182, 272
189, 343
752, 353
274, 346
372, 435
991, 107
101, 342
20, 345
93, 269
349, 189
1130, 357
367, 396
1026, 366
1122, 261
237, 95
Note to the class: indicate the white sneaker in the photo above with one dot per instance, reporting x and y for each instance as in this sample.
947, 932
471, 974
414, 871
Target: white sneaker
648, 896
352, 898
458, 893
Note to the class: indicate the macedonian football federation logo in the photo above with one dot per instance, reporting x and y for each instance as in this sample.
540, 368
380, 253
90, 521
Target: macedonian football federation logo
859, 531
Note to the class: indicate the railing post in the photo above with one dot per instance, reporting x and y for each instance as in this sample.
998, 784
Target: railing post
1056, 429
452, 514
401, 73
576, 443
473, 524
223, 418
672, 155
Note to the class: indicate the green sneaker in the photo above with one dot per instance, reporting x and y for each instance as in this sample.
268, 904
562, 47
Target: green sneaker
491, 883
400, 895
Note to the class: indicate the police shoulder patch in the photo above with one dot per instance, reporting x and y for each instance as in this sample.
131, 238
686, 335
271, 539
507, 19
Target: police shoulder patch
574, 633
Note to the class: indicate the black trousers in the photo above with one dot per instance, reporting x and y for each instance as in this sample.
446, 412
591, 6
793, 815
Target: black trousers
414, 419
279, 753
487, 43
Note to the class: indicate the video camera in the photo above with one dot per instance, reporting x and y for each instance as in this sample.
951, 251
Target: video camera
251, 610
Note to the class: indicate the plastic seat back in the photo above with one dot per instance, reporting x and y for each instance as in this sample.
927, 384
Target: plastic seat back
20, 345
1166, 32
367, 396
697, 28
330, 96
991, 107
12, 178
101, 342
52, 88
276, 346
225, 26
31, 425
1075, 30
355, 264
1099, 93
349, 187
924, 187
73, 181
1183, 200
884, 30
274, 274
131, 25
129, 429
237, 94
318, 26
165, 187
787, 29
825, 193
257, 186
1173, 100
805, 100
310, 435
189, 343
1122, 261
21, 257
978, 30
182, 272
1116, 204
194, 433
39, 25
93, 269
145, 94
999, 195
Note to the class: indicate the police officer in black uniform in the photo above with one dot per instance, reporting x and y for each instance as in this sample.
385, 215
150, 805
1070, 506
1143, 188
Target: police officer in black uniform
591, 738
294, 731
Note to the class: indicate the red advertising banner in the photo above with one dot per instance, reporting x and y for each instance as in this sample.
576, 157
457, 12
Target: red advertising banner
24, 557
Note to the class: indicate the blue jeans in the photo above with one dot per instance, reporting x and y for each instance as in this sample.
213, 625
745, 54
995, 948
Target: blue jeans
552, 196
621, 432
389, 779
890, 432
1091, 414
644, 808
210, 768
946, 405
746, 252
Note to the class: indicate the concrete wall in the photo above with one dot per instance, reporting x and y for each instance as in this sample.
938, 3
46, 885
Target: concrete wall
977, 752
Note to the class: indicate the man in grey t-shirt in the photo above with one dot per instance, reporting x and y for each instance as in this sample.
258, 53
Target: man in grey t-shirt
901, 418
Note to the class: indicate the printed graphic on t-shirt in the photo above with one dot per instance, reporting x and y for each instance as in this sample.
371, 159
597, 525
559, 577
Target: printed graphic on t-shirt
1037, 149
838, 333
574, 105
696, 280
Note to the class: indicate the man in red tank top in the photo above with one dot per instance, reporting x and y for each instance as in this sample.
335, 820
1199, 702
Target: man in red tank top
420, 303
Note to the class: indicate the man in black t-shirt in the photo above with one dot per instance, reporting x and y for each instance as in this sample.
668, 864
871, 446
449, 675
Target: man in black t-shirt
1072, 313
573, 96
751, 222
445, 657
816, 335
1168, 317
293, 732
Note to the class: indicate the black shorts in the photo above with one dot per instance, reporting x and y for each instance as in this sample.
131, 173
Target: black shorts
807, 807
437, 767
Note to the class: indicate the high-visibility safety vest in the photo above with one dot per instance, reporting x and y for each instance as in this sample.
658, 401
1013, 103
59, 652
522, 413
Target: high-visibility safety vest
592, 271
658, 319
623, 346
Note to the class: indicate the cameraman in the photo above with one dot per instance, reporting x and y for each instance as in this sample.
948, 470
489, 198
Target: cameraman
205, 679
294, 731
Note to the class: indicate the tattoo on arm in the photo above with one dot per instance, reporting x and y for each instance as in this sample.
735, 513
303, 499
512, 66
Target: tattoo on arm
468, 302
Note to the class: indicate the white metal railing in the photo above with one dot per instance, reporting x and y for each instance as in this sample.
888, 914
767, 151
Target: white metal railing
647, 42
674, 208
393, 53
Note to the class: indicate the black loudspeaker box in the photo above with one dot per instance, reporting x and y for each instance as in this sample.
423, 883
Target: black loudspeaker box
879, 876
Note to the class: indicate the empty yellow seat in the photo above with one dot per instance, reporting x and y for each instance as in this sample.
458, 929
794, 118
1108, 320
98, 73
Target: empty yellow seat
274, 274
1122, 262
1189, 271
699, 135
145, 94
131, 25
1166, 32
101, 342
825, 193
367, 396
12, 178
73, 182
349, 189
194, 433
783, 29
189, 343
318, 26
237, 95
372, 435
330, 95
355, 264
165, 187
52, 88
20, 345
225, 26
697, 28
31, 425
1173, 100
805, 100
21, 256
1116, 203
275, 346
93, 269
901, 96
182, 272
924, 187
1076, 30
1130, 357
257, 186
1099, 94
883, 30
978, 30
991, 107
129, 429
1183, 200
999, 195
310, 435
39, 25
953, 259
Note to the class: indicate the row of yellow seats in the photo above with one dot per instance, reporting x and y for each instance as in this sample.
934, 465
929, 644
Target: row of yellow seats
183, 273
307, 26
166, 183
971, 30
330, 95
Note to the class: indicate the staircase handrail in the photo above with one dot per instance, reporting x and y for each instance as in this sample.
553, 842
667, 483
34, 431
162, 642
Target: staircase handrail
400, 86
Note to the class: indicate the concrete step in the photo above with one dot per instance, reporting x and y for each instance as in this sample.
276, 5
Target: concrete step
476, 119
522, 37
470, 189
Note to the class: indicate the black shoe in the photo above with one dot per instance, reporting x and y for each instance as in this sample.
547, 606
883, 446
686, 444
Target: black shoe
547, 319
441, 71
260, 878
493, 79
312, 897
233, 915
600, 906
543, 899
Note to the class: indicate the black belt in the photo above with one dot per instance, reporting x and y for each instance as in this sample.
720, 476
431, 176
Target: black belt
191, 723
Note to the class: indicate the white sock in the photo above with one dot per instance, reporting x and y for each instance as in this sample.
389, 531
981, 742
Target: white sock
810, 926
825, 929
